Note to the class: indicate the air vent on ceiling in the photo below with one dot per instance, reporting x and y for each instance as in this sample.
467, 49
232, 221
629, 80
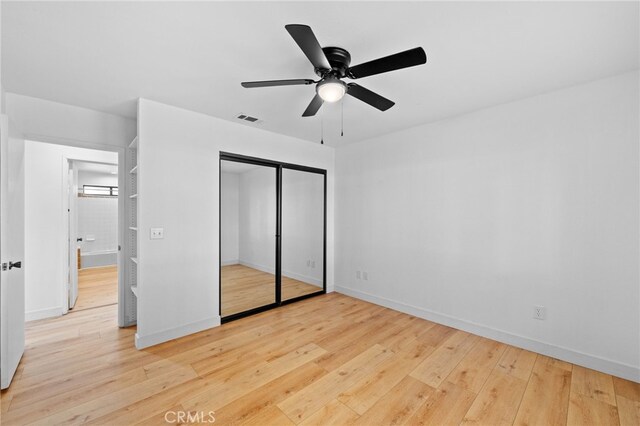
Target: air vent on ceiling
250, 119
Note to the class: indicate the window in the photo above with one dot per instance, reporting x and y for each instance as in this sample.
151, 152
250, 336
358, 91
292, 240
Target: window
100, 191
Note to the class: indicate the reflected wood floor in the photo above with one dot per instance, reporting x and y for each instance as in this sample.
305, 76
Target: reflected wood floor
326, 360
245, 288
97, 287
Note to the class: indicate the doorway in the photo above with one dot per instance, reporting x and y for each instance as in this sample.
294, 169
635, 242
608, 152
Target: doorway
93, 235
54, 180
272, 234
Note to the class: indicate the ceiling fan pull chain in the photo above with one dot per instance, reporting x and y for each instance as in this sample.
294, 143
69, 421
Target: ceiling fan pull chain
342, 117
321, 128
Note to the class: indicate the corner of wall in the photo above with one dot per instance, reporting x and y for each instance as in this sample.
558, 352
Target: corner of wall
146, 341
39, 314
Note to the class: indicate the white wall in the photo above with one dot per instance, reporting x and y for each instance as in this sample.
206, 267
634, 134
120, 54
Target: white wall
98, 220
178, 157
45, 239
229, 218
2, 91
258, 218
48, 121
474, 220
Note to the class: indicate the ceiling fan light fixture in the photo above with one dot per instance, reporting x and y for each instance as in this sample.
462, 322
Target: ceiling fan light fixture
331, 89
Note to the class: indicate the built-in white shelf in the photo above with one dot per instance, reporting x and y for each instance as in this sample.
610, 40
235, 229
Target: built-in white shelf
132, 165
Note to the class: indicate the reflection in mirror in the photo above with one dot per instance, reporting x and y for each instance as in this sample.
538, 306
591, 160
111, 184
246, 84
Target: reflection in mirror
302, 233
247, 236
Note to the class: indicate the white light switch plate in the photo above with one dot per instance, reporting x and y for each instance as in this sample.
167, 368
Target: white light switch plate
157, 233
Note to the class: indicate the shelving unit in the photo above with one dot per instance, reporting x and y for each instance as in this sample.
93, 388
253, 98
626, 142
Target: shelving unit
133, 264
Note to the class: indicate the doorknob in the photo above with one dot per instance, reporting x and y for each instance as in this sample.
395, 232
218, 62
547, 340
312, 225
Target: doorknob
15, 265
78, 239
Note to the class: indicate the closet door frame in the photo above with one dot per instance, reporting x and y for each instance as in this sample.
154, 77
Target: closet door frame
278, 166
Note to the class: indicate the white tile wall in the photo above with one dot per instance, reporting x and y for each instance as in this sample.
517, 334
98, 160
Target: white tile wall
98, 217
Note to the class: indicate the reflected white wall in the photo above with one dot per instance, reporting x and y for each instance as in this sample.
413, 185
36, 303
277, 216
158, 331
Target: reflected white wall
229, 217
248, 221
302, 225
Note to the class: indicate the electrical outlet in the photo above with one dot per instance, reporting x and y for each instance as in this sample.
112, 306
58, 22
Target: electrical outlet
365, 276
358, 274
539, 312
157, 233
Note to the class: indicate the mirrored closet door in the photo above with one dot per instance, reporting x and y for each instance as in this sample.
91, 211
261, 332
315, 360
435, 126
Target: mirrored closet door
247, 236
272, 234
302, 233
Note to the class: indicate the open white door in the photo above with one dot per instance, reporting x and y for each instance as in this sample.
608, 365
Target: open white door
72, 194
11, 252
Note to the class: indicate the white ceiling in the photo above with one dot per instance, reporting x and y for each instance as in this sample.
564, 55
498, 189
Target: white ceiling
194, 55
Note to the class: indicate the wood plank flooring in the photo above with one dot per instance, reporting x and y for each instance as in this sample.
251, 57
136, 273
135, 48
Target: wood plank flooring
328, 360
97, 287
245, 288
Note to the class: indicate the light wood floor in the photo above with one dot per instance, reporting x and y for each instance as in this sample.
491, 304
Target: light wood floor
245, 288
97, 287
325, 360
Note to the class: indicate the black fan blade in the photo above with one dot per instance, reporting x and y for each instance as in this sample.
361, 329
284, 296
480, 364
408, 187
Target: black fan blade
303, 35
372, 98
313, 107
408, 58
270, 83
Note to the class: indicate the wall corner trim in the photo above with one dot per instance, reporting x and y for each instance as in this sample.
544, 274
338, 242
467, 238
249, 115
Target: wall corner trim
608, 366
174, 333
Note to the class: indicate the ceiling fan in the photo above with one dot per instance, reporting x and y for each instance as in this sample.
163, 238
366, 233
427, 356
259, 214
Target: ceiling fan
332, 64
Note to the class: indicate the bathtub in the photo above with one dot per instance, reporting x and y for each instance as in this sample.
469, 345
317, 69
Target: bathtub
99, 258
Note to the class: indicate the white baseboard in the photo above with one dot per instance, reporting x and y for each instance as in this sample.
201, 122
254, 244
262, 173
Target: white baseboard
174, 333
262, 268
229, 262
55, 311
304, 278
605, 365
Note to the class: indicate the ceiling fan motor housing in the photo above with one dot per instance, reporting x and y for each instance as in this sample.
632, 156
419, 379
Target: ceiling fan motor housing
339, 59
